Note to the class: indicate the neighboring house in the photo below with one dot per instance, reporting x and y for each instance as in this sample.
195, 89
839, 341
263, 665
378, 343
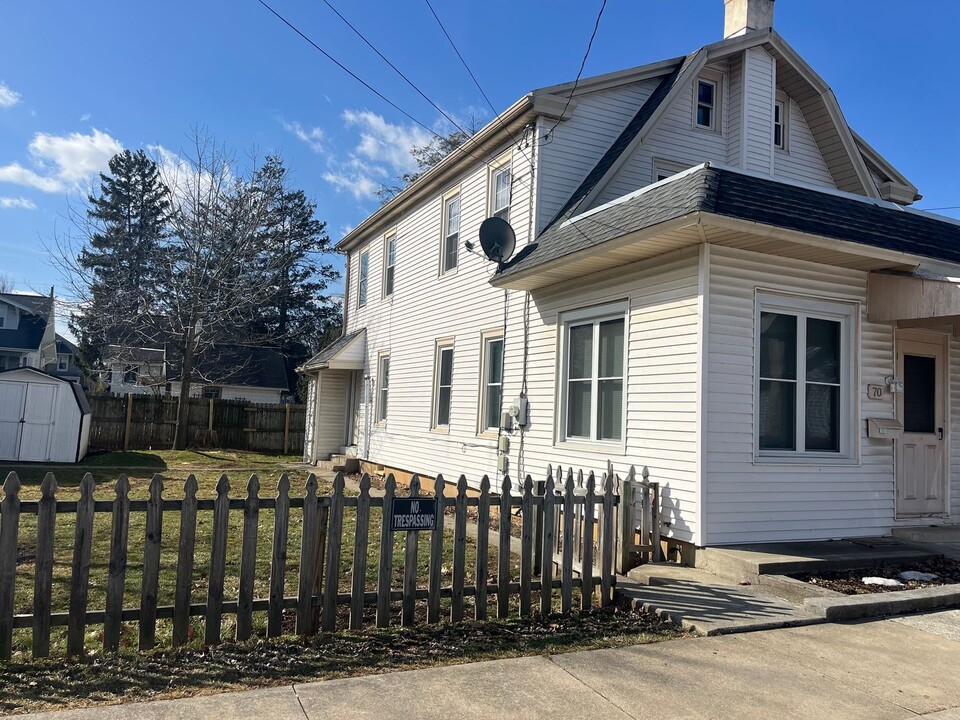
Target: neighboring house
27, 331
236, 372
715, 277
67, 367
134, 370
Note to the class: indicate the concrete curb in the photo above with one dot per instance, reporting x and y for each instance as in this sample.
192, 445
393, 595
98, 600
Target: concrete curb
854, 607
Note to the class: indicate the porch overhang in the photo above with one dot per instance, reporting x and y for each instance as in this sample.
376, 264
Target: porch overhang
909, 297
347, 353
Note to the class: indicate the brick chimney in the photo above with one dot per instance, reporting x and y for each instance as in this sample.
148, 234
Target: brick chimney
743, 16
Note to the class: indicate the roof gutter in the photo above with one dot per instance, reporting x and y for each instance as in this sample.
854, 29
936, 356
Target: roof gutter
485, 141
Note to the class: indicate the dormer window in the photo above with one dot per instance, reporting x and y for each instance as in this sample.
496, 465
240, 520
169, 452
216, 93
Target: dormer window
780, 125
707, 104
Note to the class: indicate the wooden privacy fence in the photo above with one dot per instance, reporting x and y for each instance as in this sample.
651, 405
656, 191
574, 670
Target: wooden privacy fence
143, 422
334, 569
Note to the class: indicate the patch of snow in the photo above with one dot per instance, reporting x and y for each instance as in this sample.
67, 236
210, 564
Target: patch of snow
887, 582
914, 575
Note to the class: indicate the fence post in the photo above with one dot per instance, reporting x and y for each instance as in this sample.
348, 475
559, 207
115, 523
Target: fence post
538, 490
385, 572
43, 580
608, 540
80, 575
408, 605
286, 431
126, 426
625, 511
210, 416
9, 526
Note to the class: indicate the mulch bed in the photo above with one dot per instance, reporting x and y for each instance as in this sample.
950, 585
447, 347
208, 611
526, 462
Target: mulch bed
850, 582
107, 679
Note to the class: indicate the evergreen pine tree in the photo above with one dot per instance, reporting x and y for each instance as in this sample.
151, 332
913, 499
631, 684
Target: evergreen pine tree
123, 260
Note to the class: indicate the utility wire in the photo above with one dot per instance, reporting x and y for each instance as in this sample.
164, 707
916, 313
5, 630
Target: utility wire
583, 63
518, 143
395, 68
360, 80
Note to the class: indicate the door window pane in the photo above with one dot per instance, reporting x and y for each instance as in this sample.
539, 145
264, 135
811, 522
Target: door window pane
778, 415
823, 351
919, 394
823, 418
778, 346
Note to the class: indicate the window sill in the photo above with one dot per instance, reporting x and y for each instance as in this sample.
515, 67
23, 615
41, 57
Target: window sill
488, 434
805, 461
448, 273
441, 429
608, 448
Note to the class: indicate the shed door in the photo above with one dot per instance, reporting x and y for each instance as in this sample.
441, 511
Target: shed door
12, 395
38, 421
922, 408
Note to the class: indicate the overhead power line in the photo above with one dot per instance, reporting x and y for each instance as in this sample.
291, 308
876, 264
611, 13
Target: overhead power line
583, 64
360, 80
395, 68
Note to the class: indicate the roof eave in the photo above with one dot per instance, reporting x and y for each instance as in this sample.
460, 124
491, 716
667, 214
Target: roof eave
494, 133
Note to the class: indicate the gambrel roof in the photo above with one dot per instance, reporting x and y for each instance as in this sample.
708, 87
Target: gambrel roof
35, 314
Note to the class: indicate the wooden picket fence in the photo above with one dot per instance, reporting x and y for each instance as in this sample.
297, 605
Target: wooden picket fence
550, 549
144, 422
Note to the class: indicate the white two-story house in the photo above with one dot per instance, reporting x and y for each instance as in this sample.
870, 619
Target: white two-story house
715, 277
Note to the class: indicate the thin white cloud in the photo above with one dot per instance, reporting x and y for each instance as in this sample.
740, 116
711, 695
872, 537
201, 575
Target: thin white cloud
21, 203
384, 142
8, 98
313, 137
359, 178
63, 162
84, 117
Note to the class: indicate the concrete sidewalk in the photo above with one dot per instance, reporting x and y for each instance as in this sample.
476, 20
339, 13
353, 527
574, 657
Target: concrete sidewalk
883, 670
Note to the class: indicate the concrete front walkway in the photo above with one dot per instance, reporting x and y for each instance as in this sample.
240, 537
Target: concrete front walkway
884, 670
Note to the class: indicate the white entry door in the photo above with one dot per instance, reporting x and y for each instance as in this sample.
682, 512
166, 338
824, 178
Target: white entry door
922, 461
12, 395
38, 422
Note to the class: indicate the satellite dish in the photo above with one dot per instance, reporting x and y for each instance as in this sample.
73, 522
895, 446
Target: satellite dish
497, 239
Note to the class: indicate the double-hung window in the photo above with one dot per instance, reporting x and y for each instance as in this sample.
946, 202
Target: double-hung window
500, 182
383, 386
780, 125
443, 385
363, 274
805, 377
594, 374
389, 262
707, 102
451, 232
491, 390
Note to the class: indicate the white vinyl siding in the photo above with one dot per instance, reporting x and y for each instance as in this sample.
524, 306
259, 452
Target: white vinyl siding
328, 435
759, 84
748, 501
802, 161
577, 144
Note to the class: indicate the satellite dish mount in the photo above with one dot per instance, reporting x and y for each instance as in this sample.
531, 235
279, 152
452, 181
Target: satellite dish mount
498, 240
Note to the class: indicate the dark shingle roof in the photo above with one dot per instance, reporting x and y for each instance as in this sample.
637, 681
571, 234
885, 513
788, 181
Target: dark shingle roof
626, 137
748, 197
133, 354
29, 333
331, 350
64, 346
238, 365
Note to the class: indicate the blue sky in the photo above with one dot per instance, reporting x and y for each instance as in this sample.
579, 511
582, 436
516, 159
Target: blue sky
78, 81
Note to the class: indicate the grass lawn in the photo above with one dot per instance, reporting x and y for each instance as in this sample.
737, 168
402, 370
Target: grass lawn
128, 677
174, 467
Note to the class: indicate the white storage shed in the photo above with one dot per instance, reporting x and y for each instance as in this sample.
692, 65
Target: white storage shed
43, 418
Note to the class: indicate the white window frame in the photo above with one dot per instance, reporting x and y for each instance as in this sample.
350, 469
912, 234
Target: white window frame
498, 167
783, 105
383, 389
389, 264
803, 307
612, 311
667, 168
442, 346
485, 339
363, 277
716, 123
446, 235
63, 362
